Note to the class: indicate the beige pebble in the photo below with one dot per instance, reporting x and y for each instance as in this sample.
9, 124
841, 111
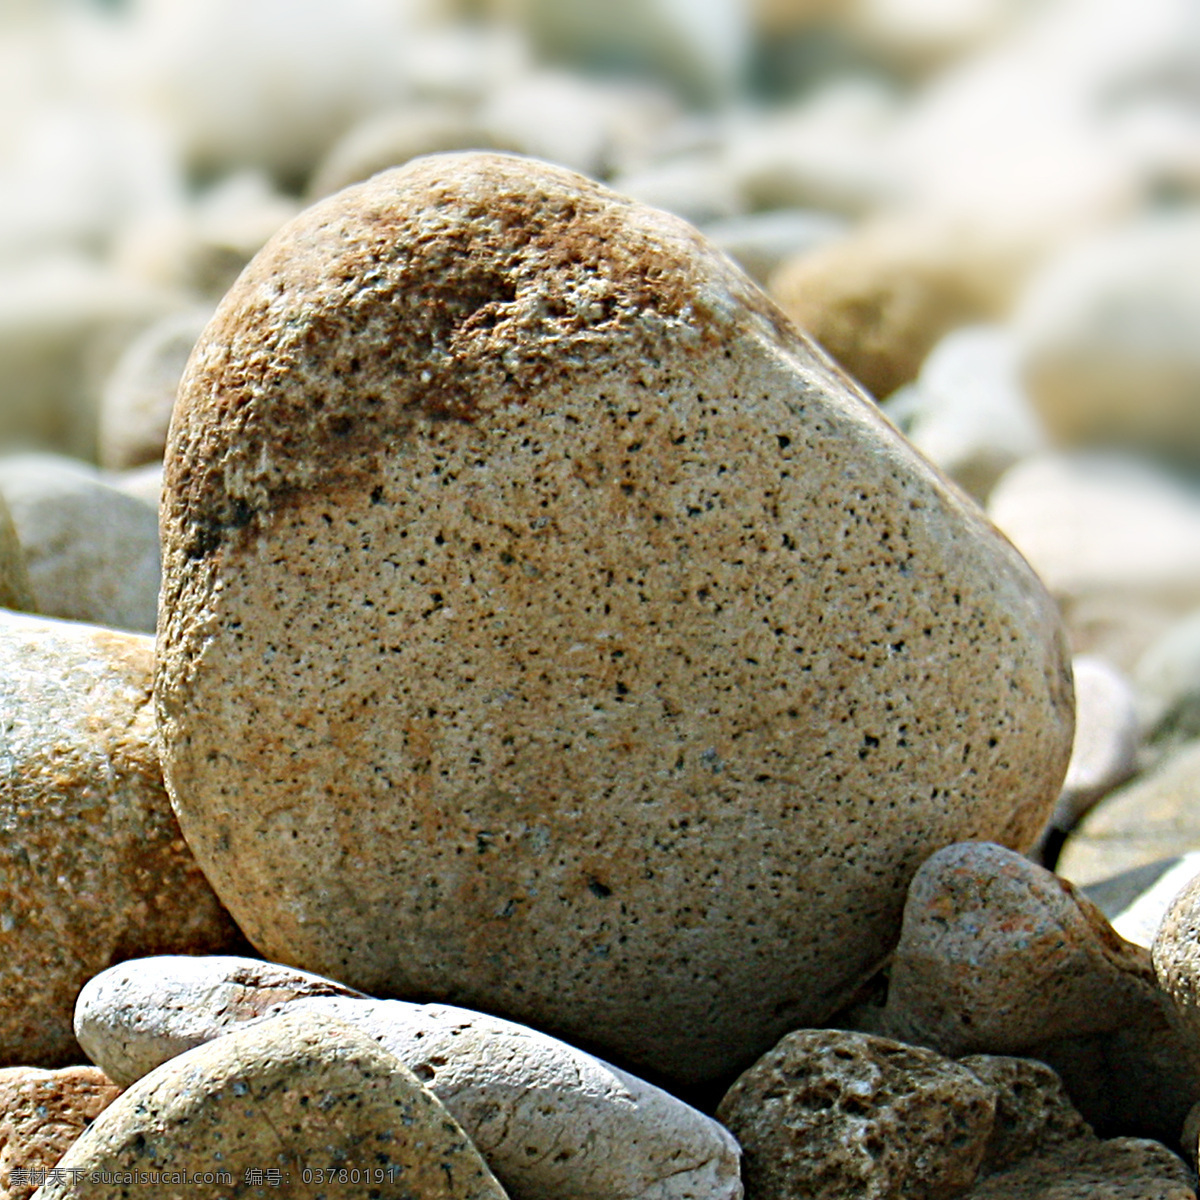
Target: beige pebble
550, 1120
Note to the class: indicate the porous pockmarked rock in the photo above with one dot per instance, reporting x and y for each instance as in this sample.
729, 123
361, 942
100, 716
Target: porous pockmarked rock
1000, 956
93, 867
298, 1094
550, 1120
41, 1115
830, 1114
547, 628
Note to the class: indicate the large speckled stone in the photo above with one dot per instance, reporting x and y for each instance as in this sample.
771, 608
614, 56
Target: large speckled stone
549, 629
93, 867
301, 1094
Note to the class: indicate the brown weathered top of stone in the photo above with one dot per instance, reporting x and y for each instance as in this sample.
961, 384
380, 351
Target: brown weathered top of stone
452, 282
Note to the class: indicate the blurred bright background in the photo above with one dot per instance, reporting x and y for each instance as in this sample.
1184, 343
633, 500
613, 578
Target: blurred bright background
988, 211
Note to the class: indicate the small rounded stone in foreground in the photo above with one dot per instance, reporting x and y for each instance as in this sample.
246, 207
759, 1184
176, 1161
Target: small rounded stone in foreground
548, 629
828, 1114
550, 1120
998, 954
300, 1094
42, 1113
136, 1015
93, 867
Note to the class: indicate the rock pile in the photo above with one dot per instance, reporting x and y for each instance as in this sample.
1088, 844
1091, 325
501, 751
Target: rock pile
599, 740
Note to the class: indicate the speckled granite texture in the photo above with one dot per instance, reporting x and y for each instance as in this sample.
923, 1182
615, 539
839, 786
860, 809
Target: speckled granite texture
548, 628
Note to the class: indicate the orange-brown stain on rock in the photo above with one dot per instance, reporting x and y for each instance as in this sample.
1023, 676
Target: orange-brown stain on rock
600, 657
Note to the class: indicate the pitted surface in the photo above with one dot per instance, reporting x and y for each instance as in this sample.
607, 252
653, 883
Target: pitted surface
549, 629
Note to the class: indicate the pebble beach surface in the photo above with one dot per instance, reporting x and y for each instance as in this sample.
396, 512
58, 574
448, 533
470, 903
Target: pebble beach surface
601, 601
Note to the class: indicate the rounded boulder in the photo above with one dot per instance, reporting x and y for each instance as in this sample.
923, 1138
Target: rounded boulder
548, 628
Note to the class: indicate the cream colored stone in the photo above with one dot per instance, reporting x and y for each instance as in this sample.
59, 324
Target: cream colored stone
827, 152
266, 84
550, 1120
586, 124
390, 139
63, 323
1116, 540
302, 1094
1109, 334
201, 248
15, 588
548, 628
760, 242
1168, 681
135, 1016
701, 46
966, 410
1106, 739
